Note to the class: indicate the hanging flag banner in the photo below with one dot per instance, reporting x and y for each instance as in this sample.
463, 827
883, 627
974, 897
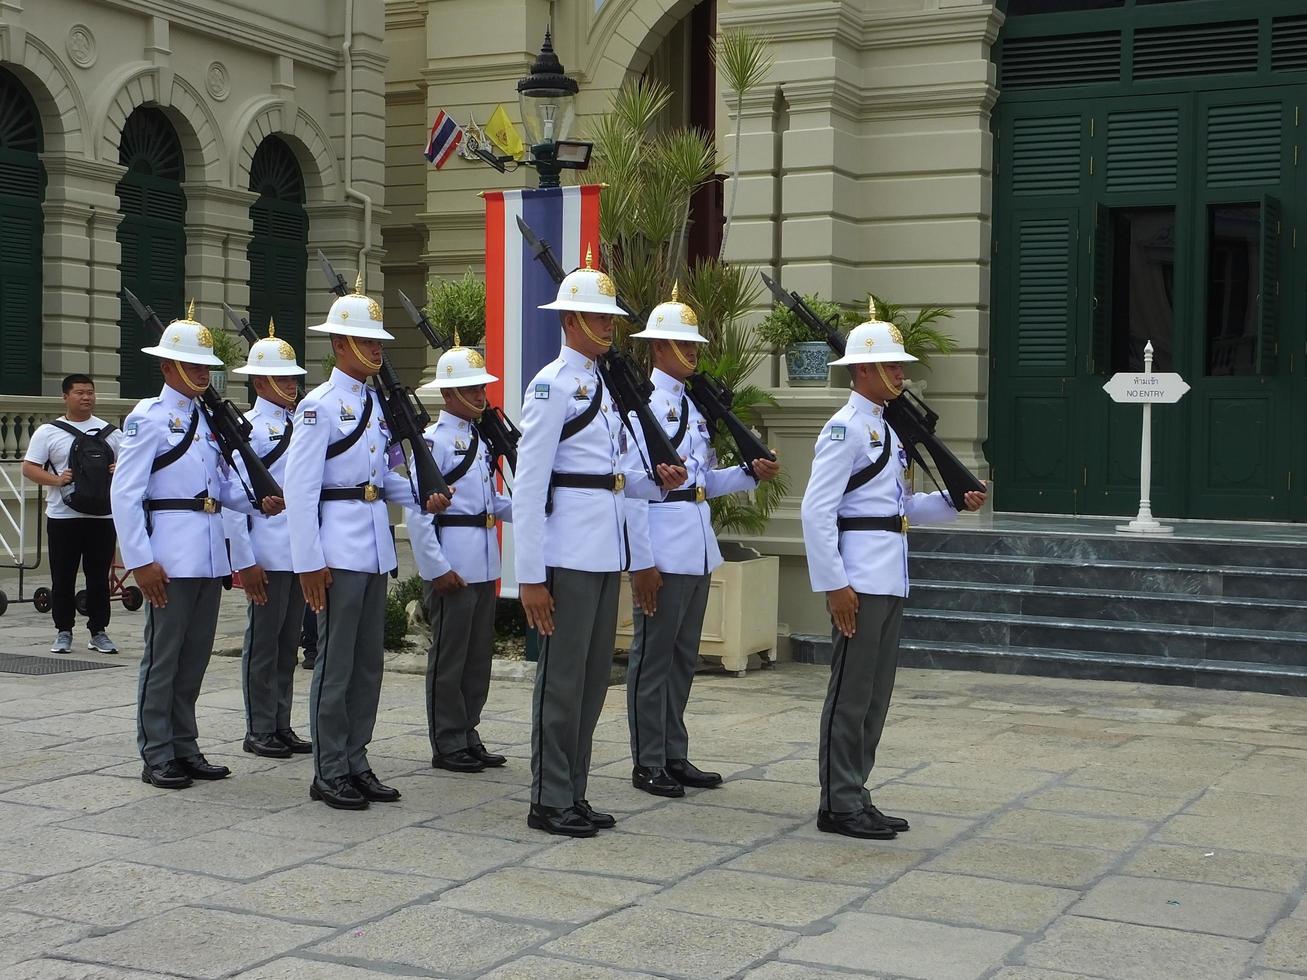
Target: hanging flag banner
443, 140
501, 131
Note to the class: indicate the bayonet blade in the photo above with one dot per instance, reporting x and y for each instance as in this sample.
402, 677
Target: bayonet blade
532, 241
335, 282
409, 308
141, 309
781, 295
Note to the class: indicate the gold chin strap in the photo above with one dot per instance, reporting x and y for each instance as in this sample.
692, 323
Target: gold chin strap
474, 409
676, 349
276, 386
894, 390
370, 365
585, 329
186, 378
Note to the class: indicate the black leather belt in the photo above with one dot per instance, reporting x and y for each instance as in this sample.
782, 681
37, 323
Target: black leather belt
691, 495
202, 503
897, 523
368, 492
482, 520
589, 481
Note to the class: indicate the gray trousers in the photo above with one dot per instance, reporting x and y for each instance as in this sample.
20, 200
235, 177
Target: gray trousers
571, 683
347, 674
458, 663
660, 671
178, 643
268, 659
857, 700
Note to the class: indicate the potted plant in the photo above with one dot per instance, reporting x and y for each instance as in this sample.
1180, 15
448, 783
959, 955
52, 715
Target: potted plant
806, 351
457, 309
228, 350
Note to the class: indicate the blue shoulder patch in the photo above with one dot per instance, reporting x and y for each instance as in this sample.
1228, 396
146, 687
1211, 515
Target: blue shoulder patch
837, 433
542, 391
131, 429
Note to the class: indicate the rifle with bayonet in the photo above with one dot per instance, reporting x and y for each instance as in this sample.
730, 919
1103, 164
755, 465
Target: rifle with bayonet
910, 417
243, 327
229, 427
500, 433
407, 423
630, 389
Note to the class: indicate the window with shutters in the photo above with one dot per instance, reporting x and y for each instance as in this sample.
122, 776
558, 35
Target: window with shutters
22, 188
278, 252
152, 236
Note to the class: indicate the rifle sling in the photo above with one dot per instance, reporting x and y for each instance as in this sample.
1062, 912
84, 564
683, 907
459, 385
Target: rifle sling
278, 450
178, 451
573, 426
872, 469
460, 471
341, 445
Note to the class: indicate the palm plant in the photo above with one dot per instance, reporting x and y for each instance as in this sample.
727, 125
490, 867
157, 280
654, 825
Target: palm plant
743, 59
921, 336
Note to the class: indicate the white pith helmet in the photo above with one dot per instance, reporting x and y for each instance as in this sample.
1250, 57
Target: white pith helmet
459, 367
586, 290
672, 320
271, 357
874, 341
355, 315
186, 340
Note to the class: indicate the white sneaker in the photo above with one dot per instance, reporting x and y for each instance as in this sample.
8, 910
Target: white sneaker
101, 643
63, 643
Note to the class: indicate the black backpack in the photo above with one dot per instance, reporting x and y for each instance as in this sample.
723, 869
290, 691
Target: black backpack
89, 458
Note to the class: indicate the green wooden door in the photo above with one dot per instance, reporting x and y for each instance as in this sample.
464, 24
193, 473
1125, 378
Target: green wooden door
22, 187
278, 252
152, 236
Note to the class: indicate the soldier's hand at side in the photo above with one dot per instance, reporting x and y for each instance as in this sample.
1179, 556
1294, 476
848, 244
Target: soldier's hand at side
272, 506
451, 581
670, 477
644, 589
438, 503
843, 605
765, 469
315, 585
538, 605
153, 581
975, 499
254, 580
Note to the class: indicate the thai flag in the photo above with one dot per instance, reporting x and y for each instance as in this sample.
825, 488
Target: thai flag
444, 139
520, 338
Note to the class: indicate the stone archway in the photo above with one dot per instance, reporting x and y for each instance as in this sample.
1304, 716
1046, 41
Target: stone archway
611, 63
301, 133
64, 118
196, 126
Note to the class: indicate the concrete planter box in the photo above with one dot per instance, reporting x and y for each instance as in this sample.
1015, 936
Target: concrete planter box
741, 615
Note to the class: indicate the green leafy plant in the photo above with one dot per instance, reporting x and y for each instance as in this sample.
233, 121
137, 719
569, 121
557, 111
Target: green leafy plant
396, 623
408, 589
227, 349
743, 60
328, 365
921, 336
782, 328
457, 308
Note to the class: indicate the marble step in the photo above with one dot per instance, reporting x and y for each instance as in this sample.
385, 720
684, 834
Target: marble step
1106, 638
1128, 576
1176, 609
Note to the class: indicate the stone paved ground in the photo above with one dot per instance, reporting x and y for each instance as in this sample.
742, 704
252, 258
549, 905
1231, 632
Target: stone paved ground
1060, 829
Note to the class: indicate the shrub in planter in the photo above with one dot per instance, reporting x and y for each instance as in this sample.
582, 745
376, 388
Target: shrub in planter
396, 623
806, 352
457, 308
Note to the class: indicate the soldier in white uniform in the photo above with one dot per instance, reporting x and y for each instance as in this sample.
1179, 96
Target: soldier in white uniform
571, 539
260, 550
856, 512
675, 537
458, 558
169, 490
338, 480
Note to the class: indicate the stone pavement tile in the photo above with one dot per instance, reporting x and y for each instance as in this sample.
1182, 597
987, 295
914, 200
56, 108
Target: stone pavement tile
17, 819
1005, 781
51, 850
1161, 781
552, 968
433, 937
504, 818
1033, 973
1130, 952
929, 831
1251, 834
1285, 947
612, 794
784, 902
17, 709
24, 936
216, 943
1064, 828
669, 943
113, 893
765, 797
80, 724
1105, 802
434, 792
437, 853
1244, 869
1045, 864
299, 968
834, 859
270, 789
233, 854
713, 824
52, 969
967, 901
1187, 905
1274, 975
554, 896
631, 856
84, 794
325, 895
905, 947
1049, 748
319, 822
798, 971
1158, 752
160, 818
947, 800
35, 765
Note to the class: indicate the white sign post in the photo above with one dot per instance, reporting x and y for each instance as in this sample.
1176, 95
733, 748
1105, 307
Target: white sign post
1146, 389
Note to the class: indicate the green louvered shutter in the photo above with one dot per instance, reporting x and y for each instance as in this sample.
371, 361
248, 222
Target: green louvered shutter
278, 251
1245, 144
22, 187
1045, 293
1143, 150
1101, 324
1268, 307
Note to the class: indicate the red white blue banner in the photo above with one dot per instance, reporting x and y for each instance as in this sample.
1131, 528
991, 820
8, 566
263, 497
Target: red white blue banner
443, 140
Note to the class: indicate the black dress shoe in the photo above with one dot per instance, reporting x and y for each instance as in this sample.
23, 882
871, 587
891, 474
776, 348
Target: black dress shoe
198, 767
603, 821
687, 773
896, 824
338, 793
460, 761
488, 759
167, 776
855, 824
297, 745
564, 823
655, 782
372, 788
268, 746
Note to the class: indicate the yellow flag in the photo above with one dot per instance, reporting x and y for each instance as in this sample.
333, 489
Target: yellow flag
503, 133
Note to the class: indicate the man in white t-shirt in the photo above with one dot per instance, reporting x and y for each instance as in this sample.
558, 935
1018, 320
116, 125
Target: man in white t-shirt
75, 538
